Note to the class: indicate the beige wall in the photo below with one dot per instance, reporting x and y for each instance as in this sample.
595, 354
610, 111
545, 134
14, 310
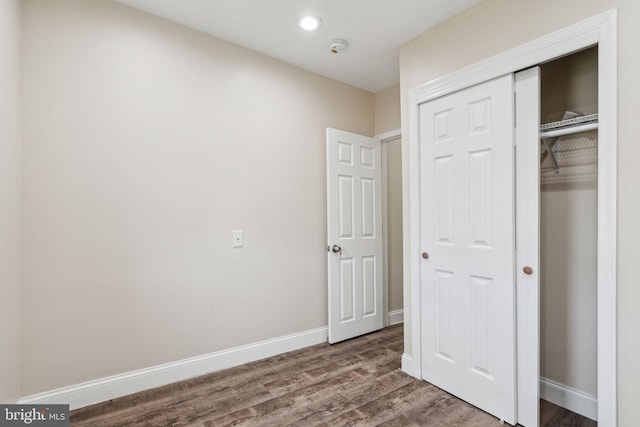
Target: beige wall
10, 203
568, 322
394, 224
387, 109
569, 83
568, 240
493, 26
145, 144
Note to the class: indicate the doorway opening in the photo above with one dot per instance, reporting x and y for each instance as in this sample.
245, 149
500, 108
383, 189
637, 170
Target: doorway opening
569, 233
392, 225
364, 233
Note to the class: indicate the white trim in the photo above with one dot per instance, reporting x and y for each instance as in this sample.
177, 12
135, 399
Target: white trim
607, 221
408, 366
103, 389
569, 398
395, 317
385, 233
411, 196
392, 135
600, 30
385, 137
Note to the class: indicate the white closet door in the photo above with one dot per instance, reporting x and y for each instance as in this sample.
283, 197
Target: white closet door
467, 235
527, 86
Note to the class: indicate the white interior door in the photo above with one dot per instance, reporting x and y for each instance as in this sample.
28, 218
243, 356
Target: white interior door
527, 87
467, 235
354, 230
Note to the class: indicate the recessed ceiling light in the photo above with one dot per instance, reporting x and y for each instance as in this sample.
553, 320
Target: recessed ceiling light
310, 23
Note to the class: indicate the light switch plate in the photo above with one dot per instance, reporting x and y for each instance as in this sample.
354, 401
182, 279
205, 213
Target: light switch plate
237, 238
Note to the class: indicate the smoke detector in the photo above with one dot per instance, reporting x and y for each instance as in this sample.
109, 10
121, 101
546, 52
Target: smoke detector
338, 46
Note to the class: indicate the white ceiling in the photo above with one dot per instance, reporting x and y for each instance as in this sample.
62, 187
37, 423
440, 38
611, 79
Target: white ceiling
373, 29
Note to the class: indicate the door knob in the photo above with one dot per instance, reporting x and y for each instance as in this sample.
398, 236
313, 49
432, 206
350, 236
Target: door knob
336, 249
527, 270
425, 255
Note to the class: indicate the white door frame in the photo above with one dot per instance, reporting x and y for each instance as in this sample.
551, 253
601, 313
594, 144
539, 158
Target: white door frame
600, 30
385, 137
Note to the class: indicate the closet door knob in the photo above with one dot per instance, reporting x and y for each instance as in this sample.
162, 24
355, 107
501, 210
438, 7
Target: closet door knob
425, 255
527, 270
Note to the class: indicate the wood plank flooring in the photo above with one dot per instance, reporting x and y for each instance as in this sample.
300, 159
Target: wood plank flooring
353, 383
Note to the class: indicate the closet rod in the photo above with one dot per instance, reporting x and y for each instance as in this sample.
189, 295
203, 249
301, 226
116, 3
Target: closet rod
569, 130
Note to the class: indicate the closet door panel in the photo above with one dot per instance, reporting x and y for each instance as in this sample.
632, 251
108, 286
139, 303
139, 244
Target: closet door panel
527, 85
467, 230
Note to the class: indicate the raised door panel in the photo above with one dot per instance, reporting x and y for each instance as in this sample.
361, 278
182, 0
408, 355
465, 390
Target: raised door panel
482, 340
443, 183
368, 203
347, 290
346, 213
480, 199
369, 284
445, 300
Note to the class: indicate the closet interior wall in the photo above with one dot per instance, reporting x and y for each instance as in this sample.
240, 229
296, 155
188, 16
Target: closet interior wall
568, 241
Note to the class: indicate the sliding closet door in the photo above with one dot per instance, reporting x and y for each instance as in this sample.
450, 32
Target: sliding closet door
528, 244
467, 239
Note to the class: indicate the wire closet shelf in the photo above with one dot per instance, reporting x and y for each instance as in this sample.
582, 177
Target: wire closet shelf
569, 148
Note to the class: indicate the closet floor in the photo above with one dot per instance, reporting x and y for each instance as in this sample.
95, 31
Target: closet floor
552, 415
354, 383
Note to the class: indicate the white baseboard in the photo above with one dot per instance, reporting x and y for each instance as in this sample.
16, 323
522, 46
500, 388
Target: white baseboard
395, 317
119, 385
408, 366
574, 400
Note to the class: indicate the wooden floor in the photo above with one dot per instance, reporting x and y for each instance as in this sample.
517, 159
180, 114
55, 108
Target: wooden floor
357, 382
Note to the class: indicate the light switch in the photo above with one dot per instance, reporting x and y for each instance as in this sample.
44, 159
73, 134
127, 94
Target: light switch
237, 238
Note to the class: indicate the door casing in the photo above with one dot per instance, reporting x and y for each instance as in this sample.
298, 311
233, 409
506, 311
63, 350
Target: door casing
600, 30
384, 138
